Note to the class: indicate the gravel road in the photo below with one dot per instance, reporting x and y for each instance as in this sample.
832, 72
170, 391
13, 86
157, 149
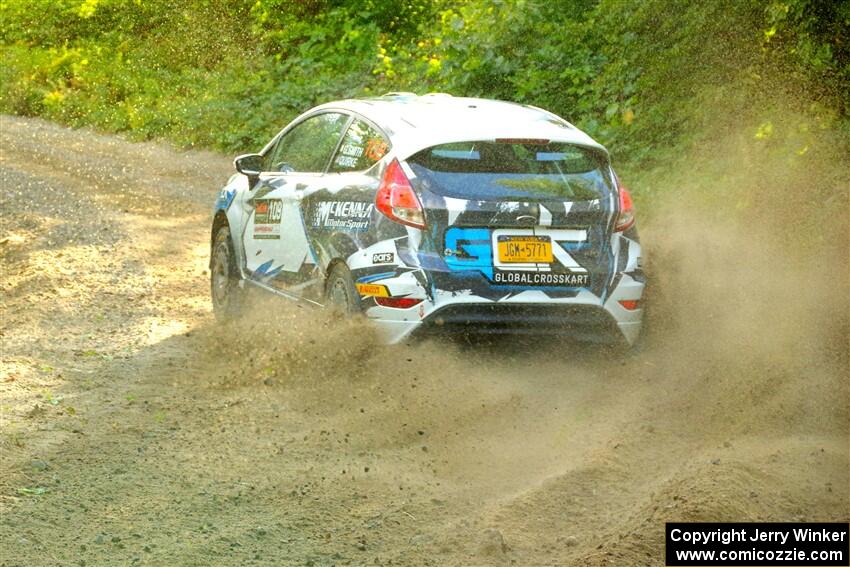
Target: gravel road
134, 431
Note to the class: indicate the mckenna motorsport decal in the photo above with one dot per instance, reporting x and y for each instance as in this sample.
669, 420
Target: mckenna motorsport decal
267, 214
346, 215
383, 258
541, 278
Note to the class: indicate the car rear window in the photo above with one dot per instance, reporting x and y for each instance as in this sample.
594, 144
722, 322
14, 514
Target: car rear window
513, 171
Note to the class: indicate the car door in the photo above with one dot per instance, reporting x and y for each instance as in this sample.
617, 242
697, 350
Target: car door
341, 214
277, 251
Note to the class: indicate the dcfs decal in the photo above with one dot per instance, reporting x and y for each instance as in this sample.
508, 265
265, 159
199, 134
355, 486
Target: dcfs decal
267, 214
345, 215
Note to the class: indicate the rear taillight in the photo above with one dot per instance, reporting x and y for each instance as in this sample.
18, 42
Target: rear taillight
397, 302
630, 304
396, 198
626, 216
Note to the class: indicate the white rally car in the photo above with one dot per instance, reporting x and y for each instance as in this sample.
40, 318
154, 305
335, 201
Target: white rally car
435, 214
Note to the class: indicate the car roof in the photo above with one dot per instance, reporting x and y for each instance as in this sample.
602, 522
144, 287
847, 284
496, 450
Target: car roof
417, 122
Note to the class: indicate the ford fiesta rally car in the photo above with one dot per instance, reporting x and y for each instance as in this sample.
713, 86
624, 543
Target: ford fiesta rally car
434, 214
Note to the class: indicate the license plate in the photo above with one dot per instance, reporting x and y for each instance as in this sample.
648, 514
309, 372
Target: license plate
525, 249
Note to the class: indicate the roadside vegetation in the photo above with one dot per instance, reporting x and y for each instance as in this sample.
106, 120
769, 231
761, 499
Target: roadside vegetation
711, 95
641, 75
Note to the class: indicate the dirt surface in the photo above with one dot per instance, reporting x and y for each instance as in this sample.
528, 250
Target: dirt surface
135, 431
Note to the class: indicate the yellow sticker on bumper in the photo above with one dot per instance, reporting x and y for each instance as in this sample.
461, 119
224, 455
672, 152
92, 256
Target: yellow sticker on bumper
373, 289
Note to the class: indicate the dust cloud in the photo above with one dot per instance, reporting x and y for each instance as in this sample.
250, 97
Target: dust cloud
734, 407
746, 351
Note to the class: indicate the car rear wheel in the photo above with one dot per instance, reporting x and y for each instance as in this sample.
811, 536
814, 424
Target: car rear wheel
340, 292
224, 277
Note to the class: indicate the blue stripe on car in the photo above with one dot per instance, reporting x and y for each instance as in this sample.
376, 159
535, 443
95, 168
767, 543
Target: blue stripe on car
374, 277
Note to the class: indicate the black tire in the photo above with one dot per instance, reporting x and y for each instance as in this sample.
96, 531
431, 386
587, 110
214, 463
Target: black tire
340, 292
227, 296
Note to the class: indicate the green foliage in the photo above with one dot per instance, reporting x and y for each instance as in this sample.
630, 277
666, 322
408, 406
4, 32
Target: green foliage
644, 76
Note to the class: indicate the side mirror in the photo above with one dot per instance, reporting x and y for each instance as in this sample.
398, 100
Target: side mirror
249, 164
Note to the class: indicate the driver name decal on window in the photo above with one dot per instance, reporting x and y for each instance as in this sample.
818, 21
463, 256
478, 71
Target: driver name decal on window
348, 155
350, 149
267, 215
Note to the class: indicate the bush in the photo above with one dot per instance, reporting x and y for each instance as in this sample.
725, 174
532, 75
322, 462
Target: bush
646, 77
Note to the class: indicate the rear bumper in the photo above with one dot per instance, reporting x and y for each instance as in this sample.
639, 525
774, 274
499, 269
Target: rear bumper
585, 322
579, 321
467, 303
531, 311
